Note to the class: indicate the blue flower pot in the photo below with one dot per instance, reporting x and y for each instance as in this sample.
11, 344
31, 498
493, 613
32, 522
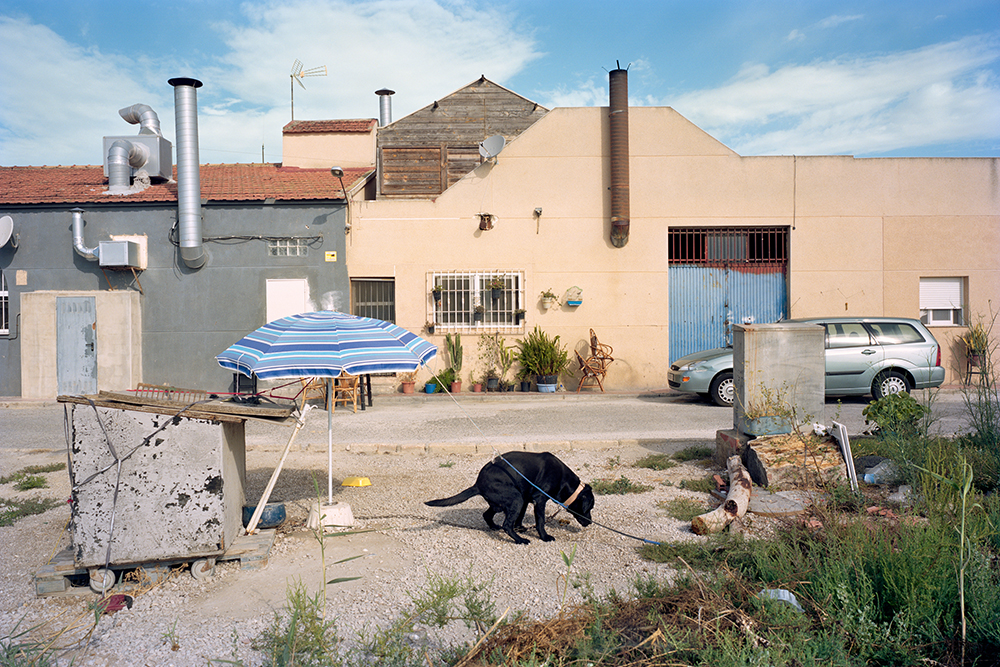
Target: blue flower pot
430, 388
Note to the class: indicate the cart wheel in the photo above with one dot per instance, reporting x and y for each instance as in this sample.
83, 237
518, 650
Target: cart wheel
203, 568
101, 580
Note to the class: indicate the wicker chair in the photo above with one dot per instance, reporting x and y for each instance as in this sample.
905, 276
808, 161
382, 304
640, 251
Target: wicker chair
346, 389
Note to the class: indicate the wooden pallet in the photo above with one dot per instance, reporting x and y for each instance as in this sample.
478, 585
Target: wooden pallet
61, 576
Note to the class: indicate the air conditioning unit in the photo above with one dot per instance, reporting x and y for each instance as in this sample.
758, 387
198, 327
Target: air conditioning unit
161, 155
119, 254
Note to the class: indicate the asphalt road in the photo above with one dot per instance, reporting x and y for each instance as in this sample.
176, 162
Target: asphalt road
502, 420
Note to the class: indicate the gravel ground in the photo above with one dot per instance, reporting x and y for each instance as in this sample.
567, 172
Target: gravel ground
409, 542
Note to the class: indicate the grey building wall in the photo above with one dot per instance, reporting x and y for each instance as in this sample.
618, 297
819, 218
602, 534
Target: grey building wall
188, 315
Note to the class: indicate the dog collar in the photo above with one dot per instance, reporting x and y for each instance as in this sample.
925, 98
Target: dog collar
569, 501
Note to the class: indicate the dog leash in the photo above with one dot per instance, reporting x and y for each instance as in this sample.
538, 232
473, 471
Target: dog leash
570, 500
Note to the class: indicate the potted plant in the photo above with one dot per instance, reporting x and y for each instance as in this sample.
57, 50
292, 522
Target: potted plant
548, 298
496, 286
519, 315
492, 379
477, 385
976, 341
453, 348
436, 291
542, 356
768, 413
478, 312
407, 381
430, 327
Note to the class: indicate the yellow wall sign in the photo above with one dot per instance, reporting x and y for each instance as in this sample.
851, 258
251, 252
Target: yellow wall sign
330, 255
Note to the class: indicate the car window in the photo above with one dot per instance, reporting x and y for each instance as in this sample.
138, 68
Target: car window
847, 334
896, 333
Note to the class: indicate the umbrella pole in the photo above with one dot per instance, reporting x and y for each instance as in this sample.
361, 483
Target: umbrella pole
329, 440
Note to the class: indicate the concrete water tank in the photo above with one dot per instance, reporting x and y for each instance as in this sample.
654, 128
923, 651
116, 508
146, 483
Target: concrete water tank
782, 366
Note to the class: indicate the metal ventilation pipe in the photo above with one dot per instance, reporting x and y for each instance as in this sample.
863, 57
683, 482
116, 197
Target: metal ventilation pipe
123, 156
89, 254
384, 106
188, 171
618, 86
143, 114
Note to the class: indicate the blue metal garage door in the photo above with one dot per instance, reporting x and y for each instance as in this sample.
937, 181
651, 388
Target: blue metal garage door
722, 276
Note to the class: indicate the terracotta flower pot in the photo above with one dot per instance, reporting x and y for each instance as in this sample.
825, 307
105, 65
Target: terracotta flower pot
456, 387
408, 387
477, 387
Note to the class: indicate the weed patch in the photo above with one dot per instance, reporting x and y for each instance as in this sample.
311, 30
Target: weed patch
31, 470
655, 462
694, 453
703, 485
12, 510
683, 509
619, 487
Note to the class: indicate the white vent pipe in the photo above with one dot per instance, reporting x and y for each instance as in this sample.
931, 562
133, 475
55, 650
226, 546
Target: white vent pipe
188, 171
143, 114
123, 156
89, 254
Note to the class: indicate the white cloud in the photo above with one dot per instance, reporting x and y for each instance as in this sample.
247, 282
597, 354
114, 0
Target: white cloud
56, 109
834, 21
940, 93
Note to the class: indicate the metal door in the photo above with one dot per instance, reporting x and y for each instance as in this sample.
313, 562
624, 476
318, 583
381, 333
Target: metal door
76, 345
723, 276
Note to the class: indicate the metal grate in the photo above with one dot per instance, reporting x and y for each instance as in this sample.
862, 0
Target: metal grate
463, 291
374, 297
728, 245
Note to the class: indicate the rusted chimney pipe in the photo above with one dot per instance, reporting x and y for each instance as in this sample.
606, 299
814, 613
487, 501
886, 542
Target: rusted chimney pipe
618, 86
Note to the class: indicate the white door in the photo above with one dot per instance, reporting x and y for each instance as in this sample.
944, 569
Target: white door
287, 296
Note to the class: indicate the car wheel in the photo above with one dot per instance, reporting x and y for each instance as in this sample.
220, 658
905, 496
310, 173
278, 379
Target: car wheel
890, 382
723, 389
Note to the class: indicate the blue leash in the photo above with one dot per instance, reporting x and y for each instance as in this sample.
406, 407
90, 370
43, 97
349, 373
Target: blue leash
597, 523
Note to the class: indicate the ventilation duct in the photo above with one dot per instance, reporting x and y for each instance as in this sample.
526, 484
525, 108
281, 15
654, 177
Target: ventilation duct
188, 171
89, 254
157, 151
384, 106
618, 86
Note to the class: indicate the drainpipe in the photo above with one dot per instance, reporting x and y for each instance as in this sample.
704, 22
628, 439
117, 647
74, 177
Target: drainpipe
89, 254
384, 106
188, 171
618, 86
123, 156
143, 114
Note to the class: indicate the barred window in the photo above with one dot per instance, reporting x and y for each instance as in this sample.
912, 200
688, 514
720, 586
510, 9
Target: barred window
287, 247
4, 306
374, 297
721, 245
499, 294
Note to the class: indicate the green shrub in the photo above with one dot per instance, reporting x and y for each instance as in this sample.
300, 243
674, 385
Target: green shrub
655, 462
617, 487
301, 636
694, 453
898, 414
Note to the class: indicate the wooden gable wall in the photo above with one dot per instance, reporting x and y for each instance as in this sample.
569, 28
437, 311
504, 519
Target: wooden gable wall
428, 151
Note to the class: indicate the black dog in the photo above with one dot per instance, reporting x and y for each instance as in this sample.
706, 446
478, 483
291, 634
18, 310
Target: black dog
511, 481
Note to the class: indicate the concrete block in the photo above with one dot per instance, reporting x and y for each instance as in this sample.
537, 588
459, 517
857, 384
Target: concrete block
180, 492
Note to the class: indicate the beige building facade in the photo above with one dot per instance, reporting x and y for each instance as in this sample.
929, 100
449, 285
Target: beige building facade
862, 237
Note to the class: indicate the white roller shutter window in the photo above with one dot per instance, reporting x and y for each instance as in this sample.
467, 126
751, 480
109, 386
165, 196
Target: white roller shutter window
941, 301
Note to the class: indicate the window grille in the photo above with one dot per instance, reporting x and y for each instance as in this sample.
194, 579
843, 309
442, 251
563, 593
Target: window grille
728, 245
4, 306
374, 297
287, 247
462, 291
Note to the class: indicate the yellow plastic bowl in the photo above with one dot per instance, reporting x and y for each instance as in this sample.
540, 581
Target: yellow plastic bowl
357, 481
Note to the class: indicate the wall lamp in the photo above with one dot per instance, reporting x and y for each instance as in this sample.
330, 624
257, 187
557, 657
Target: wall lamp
486, 221
338, 173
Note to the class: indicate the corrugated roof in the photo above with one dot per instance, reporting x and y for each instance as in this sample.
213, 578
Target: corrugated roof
318, 126
219, 182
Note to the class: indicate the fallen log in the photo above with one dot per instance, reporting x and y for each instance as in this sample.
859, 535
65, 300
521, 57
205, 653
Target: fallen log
735, 505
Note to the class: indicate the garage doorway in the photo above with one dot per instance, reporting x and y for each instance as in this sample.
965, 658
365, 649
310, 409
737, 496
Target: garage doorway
720, 276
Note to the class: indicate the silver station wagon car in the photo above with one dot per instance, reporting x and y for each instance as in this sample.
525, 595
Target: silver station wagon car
876, 355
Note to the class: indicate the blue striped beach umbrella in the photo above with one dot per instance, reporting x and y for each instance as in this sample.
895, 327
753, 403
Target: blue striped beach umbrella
322, 344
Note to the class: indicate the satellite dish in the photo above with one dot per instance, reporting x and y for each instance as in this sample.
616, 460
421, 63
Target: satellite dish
6, 229
491, 147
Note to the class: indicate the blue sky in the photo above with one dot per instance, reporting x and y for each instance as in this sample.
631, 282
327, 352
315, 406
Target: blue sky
889, 78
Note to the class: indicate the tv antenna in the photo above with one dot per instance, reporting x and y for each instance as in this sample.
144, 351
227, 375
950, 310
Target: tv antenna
299, 73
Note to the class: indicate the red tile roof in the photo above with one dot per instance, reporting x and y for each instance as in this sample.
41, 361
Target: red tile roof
324, 126
219, 182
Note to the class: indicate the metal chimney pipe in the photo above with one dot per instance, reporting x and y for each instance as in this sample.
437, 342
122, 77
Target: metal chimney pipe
384, 106
143, 114
89, 254
618, 87
188, 171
